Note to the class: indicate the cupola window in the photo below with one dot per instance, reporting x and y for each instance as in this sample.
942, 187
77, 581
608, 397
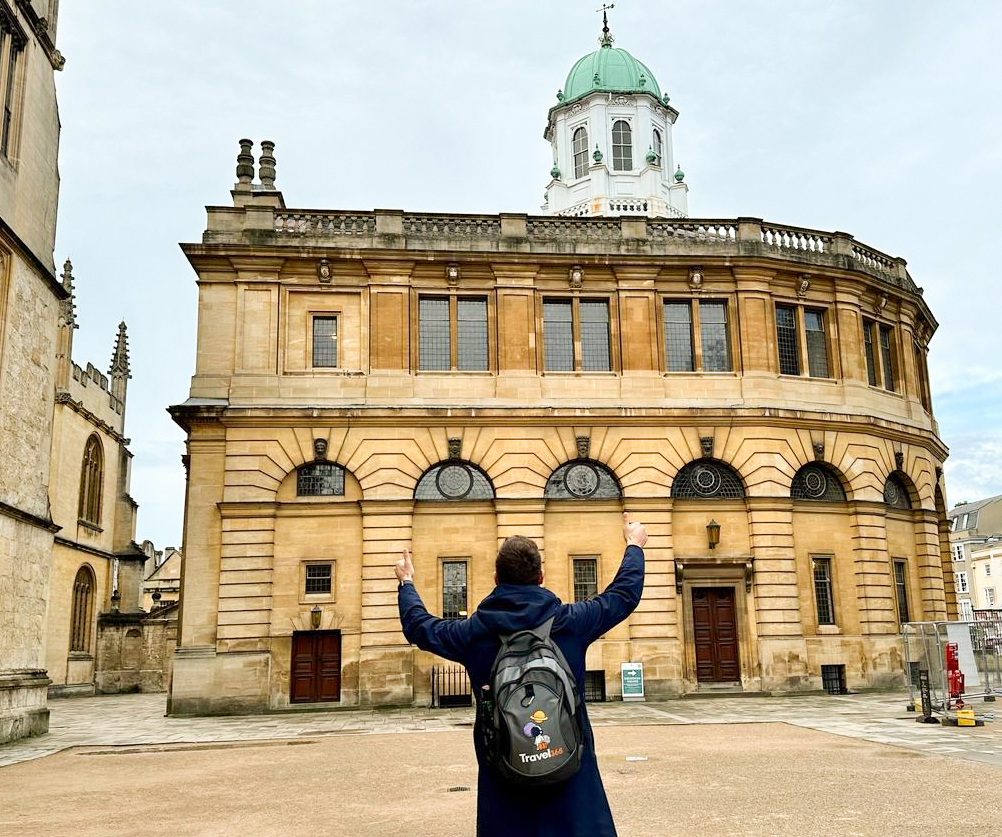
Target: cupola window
658, 146
622, 146
580, 152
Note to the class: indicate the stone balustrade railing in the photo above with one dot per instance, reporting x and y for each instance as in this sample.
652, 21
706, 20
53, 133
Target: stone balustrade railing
625, 234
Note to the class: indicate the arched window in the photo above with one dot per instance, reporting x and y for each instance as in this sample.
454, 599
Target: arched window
707, 479
582, 479
896, 493
580, 152
453, 481
81, 610
91, 481
816, 481
622, 146
320, 479
658, 147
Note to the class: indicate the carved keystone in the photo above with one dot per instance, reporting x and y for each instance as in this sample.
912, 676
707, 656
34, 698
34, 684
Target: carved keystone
455, 447
583, 446
706, 443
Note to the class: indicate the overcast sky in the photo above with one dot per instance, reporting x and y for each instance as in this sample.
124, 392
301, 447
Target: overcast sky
879, 119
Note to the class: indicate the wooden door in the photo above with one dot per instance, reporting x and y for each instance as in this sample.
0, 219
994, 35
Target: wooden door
315, 672
716, 635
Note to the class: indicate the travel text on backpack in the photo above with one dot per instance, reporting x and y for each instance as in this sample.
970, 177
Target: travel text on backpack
530, 715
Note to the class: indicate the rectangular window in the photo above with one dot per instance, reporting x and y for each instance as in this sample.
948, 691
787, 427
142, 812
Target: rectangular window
324, 342
585, 578
433, 334
971, 520
595, 335
901, 591
990, 596
988, 569
786, 339
871, 358
318, 579
960, 581
453, 589
713, 330
472, 330
886, 358
678, 337
558, 336
923, 380
11, 48
966, 611
817, 344
823, 590
958, 552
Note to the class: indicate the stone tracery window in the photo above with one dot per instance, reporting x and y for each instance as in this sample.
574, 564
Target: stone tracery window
707, 479
452, 481
896, 494
582, 479
91, 481
816, 481
320, 479
81, 610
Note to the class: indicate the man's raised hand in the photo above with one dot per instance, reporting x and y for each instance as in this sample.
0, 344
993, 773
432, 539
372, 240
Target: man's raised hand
634, 533
404, 568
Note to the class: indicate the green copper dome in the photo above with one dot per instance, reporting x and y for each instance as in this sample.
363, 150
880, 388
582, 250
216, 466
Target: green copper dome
609, 69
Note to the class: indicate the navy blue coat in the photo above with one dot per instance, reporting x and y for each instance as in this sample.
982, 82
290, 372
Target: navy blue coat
578, 806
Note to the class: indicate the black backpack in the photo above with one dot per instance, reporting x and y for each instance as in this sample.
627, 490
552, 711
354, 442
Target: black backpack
530, 714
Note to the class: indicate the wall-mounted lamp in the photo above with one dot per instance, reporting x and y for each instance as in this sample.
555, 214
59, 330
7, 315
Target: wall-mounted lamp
712, 534
315, 615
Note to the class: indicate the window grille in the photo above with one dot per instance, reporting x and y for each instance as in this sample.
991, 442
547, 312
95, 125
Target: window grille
658, 147
871, 361
901, 591
453, 481
320, 479
594, 335
580, 146
324, 341
453, 589
713, 328
886, 358
678, 337
622, 146
91, 481
472, 334
707, 479
318, 579
823, 590
82, 609
433, 334
558, 336
582, 479
817, 344
585, 578
786, 339
896, 494
594, 691
833, 679
817, 482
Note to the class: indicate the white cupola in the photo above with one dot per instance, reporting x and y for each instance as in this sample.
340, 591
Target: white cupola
611, 136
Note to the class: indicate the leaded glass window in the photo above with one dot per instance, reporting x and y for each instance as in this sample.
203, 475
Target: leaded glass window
896, 493
324, 341
453, 481
901, 590
320, 479
786, 340
580, 145
15, 48
318, 579
82, 609
658, 147
582, 479
585, 578
886, 357
595, 335
558, 335
817, 344
454, 590
678, 337
91, 481
707, 479
713, 329
433, 334
871, 360
622, 146
472, 335
823, 590
817, 482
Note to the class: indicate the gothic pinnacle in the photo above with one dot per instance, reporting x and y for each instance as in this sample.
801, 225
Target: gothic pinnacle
120, 357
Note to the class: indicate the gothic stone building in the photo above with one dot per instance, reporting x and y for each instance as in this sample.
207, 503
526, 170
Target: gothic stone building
755, 393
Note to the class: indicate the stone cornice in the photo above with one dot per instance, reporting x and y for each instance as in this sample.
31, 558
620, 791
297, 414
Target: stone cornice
63, 397
132, 553
27, 517
40, 26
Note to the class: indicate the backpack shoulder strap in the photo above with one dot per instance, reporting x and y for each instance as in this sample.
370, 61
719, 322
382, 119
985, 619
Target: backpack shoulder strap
543, 631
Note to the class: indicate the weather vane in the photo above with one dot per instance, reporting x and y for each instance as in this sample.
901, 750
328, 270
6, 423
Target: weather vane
606, 39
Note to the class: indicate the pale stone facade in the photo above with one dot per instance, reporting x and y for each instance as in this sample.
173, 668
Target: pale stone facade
29, 309
260, 402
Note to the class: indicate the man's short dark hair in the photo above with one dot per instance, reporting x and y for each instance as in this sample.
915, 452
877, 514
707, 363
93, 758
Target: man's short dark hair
518, 561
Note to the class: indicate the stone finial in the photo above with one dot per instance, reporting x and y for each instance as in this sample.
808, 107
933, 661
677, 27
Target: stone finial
899, 460
819, 451
266, 165
120, 357
245, 166
455, 447
320, 450
68, 308
583, 446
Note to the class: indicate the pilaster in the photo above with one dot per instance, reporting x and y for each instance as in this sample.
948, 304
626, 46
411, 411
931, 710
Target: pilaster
874, 589
930, 568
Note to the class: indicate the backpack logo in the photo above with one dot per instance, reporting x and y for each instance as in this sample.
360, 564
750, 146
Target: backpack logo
534, 731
